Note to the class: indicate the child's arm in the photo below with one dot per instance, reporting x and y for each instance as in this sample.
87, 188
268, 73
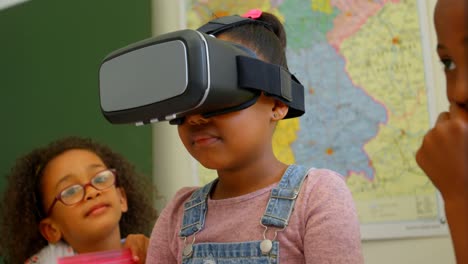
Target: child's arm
165, 243
138, 244
332, 233
444, 158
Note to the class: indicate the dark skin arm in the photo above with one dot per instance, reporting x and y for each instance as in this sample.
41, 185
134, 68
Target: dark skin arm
443, 156
138, 244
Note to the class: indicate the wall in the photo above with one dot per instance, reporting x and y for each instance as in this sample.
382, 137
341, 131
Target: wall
168, 16
50, 53
170, 158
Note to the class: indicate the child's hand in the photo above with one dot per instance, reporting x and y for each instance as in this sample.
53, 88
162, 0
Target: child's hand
444, 154
138, 244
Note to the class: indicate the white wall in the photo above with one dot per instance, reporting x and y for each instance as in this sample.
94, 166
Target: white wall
173, 167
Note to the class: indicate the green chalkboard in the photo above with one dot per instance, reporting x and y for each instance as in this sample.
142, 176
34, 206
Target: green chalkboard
50, 53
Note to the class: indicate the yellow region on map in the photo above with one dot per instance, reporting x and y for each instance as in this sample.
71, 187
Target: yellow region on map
285, 135
323, 6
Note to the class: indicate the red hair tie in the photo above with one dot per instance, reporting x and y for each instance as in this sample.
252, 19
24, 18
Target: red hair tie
253, 14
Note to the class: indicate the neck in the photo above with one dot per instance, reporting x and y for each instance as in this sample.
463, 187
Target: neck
247, 179
111, 241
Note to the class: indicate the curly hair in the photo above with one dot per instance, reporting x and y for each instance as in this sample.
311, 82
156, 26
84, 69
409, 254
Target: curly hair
21, 208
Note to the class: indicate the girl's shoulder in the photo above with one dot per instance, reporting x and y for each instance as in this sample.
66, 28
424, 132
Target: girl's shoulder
324, 176
50, 253
321, 183
184, 194
327, 186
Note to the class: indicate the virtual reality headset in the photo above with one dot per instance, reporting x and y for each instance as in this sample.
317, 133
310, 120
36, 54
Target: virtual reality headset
186, 72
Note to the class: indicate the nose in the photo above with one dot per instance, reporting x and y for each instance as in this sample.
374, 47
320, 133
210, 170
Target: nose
457, 89
91, 192
196, 120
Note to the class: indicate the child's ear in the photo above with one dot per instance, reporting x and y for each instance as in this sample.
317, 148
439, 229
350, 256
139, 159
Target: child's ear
279, 110
50, 231
123, 199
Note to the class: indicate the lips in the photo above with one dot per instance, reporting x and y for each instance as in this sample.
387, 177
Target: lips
203, 139
97, 209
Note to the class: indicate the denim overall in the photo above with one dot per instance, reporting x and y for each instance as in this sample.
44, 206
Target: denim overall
277, 213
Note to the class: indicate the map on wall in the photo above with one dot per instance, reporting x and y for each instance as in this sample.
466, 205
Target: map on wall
367, 107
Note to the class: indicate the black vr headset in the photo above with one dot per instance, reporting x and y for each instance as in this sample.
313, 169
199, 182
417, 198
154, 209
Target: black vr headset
191, 72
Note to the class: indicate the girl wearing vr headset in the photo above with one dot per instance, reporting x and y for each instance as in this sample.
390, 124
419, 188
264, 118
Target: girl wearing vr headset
73, 196
444, 153
258, 210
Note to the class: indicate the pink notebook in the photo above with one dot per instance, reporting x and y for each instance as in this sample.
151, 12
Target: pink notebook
123, 256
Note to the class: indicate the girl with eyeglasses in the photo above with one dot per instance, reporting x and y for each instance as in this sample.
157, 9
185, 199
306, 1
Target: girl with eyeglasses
74, 196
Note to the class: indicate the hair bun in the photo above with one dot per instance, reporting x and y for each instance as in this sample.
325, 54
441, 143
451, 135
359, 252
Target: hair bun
276, 25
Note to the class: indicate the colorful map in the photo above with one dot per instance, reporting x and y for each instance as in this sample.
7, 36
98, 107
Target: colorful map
367, 109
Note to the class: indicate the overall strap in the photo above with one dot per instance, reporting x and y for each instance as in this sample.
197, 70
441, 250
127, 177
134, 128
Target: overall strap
195, 211
282, 198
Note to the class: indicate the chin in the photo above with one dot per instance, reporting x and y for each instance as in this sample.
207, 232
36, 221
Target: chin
103, 223
212, 164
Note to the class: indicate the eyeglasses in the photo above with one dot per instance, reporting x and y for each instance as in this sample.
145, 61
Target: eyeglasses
76, 193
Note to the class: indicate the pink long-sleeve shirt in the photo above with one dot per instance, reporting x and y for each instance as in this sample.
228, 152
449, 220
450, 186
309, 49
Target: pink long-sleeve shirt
323, 227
